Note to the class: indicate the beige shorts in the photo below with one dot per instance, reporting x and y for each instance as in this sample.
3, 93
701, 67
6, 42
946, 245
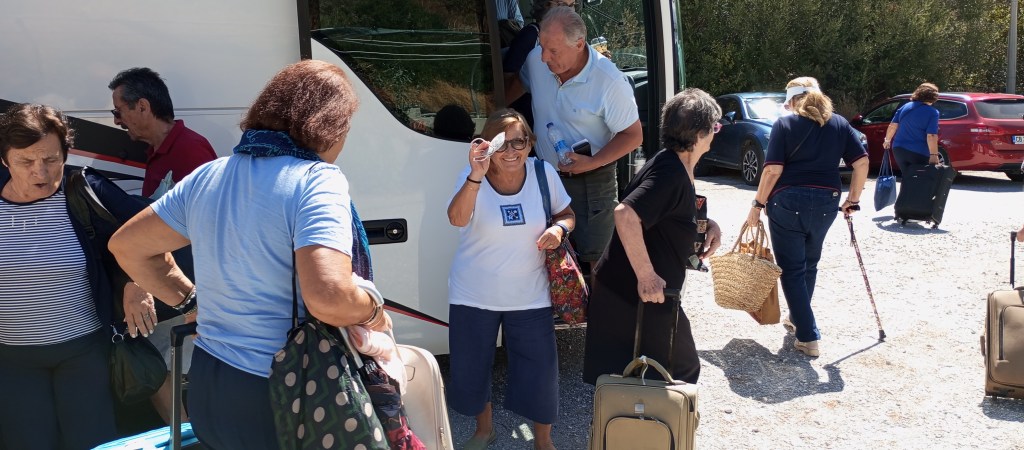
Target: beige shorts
161, 339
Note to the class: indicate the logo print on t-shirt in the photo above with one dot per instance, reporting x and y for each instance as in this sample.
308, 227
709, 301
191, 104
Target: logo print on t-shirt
512, 215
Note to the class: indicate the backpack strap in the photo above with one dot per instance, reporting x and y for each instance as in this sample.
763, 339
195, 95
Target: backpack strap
542, 180
82, 199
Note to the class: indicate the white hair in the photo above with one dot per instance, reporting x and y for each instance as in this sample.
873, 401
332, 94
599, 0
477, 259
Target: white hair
566, 18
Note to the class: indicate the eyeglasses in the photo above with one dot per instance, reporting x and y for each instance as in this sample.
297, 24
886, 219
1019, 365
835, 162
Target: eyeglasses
116, 113
517, 143
716, 127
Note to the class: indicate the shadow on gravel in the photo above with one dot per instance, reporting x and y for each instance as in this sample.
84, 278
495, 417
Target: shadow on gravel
758, 374
985, 184
1006, 409
888, 223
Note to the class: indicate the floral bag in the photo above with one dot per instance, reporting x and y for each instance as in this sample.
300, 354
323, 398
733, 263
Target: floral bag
569, 292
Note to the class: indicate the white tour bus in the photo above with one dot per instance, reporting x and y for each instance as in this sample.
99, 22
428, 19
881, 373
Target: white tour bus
406, 58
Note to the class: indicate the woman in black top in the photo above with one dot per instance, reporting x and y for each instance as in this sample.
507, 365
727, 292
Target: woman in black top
655, 232
800, 185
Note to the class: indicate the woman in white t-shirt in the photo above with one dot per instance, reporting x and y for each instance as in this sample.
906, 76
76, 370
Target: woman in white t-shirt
498, 278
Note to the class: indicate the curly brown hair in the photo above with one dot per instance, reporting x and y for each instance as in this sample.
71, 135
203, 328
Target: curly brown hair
310, 100
25, 124
925, 93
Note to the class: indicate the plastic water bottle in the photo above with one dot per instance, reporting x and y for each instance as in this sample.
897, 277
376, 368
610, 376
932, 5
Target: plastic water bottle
561, 147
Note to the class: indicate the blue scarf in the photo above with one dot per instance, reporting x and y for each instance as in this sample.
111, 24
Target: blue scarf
268, 144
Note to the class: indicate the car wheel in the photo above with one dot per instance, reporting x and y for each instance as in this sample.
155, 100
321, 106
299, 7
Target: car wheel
751, 162
944, 158
1015, 176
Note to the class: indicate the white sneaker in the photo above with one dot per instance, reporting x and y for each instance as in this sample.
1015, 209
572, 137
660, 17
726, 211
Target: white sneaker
808, 348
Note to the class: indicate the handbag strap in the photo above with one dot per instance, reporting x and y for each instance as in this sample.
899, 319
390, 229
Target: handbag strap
791, 154
886, 169
542, 180
758, 238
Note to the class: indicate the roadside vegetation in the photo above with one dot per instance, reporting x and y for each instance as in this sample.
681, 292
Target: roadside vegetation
861, 51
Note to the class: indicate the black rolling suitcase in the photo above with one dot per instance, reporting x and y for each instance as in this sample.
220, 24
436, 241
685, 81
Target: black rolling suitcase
923, 193
178, 435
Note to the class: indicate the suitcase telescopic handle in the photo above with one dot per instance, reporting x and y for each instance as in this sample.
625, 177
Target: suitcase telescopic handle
671, 295
1013, 256
178, 334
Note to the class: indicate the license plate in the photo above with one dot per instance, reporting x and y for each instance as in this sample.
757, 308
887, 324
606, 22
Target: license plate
1018, 140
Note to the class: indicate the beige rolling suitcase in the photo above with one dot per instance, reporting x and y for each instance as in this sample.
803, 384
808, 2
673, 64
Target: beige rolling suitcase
1003, 341
424, 398
632, 411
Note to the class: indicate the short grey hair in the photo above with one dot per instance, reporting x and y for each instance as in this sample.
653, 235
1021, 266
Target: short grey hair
570, 23
686, 117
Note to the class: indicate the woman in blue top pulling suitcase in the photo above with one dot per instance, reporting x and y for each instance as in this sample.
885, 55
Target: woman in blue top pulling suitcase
913, 133
800, 189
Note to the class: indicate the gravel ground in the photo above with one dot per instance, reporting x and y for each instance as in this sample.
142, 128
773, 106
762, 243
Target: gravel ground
921, 388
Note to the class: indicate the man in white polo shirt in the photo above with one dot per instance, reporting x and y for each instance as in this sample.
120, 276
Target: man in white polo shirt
586, 97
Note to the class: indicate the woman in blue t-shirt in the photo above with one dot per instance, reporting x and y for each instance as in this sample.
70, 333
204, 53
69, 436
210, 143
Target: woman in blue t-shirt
913, 134
800, 188
276, 210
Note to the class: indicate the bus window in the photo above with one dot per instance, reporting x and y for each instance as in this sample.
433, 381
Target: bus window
419, 58
619, 27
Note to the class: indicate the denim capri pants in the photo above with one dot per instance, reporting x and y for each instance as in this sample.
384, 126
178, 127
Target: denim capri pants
532, 390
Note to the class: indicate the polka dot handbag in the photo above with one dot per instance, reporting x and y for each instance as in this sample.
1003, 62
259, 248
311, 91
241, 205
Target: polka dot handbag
318, 399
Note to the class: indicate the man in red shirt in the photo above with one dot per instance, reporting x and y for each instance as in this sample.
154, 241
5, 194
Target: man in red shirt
142, 106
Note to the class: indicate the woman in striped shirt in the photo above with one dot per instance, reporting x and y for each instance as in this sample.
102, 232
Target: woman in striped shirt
55, 311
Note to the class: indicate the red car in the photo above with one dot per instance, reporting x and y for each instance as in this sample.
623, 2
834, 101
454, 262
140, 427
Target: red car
977, 131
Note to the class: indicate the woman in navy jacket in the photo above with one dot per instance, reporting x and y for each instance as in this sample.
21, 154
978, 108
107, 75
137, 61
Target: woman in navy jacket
57, 308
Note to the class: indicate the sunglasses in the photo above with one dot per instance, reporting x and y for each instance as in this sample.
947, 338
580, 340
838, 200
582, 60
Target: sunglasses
517, 143
499, 145
716, 127
116, 113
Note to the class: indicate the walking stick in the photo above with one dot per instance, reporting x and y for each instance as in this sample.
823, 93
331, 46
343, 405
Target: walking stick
864, 272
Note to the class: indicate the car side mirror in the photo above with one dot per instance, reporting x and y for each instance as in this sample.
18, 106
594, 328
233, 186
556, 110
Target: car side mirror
857, 120
729, 117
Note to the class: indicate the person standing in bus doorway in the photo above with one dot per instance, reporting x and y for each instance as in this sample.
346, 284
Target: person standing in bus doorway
514, 57
143, 107
584, 96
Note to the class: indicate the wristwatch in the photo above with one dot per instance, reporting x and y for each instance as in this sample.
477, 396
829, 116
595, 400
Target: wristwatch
757, 204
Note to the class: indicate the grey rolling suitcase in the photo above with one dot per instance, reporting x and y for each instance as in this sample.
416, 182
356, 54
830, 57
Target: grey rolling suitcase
632, 411
1002, 344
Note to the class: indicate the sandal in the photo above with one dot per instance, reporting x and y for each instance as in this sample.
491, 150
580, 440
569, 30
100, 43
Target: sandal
475, 443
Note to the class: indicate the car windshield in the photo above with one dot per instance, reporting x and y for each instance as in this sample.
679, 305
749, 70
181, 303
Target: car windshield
765, 107
1010, 108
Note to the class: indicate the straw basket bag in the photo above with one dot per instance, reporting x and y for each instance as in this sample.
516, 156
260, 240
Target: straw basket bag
743, 278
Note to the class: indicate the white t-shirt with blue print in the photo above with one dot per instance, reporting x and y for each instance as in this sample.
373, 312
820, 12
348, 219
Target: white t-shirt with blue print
497, 265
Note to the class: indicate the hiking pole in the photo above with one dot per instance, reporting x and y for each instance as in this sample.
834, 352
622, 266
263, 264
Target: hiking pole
864, 272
